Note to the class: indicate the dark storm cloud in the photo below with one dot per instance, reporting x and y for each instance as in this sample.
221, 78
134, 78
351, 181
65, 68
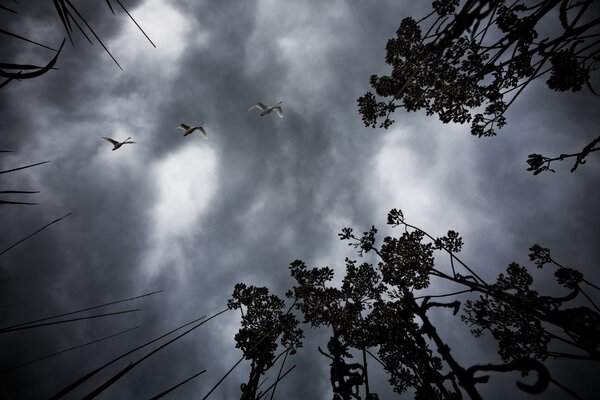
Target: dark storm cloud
261, 192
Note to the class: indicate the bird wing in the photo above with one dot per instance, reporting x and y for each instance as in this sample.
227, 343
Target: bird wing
114, 142
183, 127
202, 132
260, 106
127, 142
279, 111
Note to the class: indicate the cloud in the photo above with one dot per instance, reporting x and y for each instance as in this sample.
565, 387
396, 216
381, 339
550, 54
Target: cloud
168, 29
186, 182
195, 217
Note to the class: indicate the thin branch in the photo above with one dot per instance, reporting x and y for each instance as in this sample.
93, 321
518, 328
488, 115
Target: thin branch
18, 203
66, 350
81, 380
449, 252
158, 396
82, 310
425, 17
6, 82
135, 22
34, 233
21, 328
81, 29
62, 11
275, 383
561, 339
28, 75
589, 299
591, 284
445, 295
566, 389
8, 9
223, 378
287, 352
25, 39
24, 167
93, 33
262, 383
242, 358
584, 280
376, 358
365, 372
110, 6
557, 354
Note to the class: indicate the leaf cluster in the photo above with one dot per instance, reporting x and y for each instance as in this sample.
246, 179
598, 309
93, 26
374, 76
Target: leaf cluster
263, 322
376, 307
471, 63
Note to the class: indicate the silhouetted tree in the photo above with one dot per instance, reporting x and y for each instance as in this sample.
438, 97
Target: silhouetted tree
522, 321
263, 322
386, 307
341, 310
477, 56
517, 315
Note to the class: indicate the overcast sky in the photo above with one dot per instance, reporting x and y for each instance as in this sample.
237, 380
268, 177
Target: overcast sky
194, 217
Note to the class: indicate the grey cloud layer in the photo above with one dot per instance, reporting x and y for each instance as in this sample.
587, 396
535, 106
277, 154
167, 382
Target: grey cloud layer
280, 186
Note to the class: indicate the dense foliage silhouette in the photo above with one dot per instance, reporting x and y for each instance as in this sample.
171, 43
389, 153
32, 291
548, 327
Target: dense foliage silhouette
476, 57
386, 308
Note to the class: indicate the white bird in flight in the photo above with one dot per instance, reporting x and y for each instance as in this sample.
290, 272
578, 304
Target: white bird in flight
116, 144
265, 110
190, 129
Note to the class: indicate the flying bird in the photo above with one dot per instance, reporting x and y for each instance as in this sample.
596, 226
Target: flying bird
116, 144
190, 129
265, 110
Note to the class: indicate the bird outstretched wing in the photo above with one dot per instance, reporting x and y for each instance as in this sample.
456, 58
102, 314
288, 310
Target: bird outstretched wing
259, 105
114, 142
202, 132
279, 111
183, 127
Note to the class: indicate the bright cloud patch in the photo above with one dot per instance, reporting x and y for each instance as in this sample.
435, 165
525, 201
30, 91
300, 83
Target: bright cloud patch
418, 180
299, 41
167, 28
185, 183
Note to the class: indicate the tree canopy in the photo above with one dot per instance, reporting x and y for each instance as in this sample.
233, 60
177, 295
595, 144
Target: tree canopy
467, 62
385, 308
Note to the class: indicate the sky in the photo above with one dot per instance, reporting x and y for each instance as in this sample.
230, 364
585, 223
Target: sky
194, 216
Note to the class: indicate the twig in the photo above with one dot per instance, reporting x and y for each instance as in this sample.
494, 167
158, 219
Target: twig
82, 310
24, 167
566, 389
21, 328
287, 352
445, 295
66, 350
81, 380
135, 22
18, 203
242, 358
158, 396
35, 233
275, 383
25, 39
